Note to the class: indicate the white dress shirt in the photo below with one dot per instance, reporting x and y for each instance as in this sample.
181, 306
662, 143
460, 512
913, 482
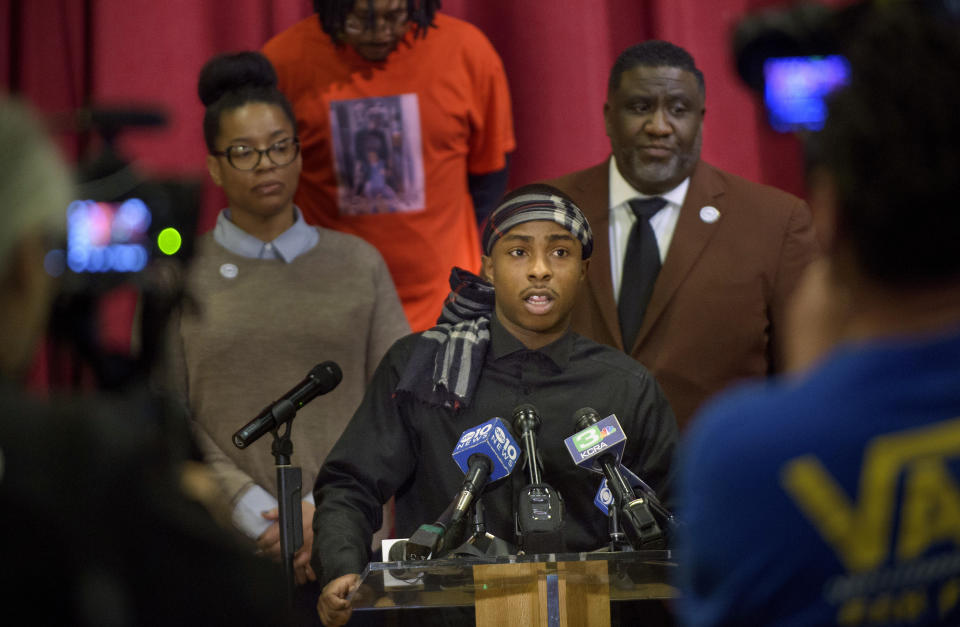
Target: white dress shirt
664, 222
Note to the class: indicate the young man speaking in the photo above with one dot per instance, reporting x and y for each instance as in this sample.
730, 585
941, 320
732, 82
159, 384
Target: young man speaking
497, 345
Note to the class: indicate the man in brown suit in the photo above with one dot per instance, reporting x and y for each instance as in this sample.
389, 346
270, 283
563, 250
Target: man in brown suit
730, 250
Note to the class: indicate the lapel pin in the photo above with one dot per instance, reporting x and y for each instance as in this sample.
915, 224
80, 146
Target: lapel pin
229, 271
709, 214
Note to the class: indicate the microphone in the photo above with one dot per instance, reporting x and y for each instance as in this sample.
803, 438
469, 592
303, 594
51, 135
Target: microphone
322, 379
604, 498
539, 507
598, 446
485, 454
596, 440
426, 541
526, 421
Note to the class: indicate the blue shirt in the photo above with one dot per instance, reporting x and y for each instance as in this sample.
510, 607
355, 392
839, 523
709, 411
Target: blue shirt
290, 244
828, 499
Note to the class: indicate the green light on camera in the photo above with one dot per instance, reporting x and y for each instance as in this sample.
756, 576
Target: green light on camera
169, 241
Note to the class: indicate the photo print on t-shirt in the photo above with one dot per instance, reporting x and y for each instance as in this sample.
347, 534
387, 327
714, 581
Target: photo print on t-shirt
378, 155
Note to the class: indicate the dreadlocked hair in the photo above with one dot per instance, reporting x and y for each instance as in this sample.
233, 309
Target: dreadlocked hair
333, 14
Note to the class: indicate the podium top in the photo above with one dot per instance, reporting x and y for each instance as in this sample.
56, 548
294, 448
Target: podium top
644, 574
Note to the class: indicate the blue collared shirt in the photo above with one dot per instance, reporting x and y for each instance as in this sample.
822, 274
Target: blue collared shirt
290, 244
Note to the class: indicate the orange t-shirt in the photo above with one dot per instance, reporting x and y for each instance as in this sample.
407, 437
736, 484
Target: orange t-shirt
387, 146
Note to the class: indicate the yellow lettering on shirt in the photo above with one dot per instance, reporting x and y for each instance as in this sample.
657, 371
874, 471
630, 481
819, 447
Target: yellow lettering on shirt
905, 607
931, 509
860, 531
948, 596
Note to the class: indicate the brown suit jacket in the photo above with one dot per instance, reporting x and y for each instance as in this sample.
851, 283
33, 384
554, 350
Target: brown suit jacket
716, 307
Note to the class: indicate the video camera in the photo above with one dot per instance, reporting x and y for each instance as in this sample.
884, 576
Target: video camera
123, 232
794, 57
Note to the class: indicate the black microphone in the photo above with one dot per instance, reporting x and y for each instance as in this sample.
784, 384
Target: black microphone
322, 379
479, 467
639, 524
526, 421
427, 541
486, 453
539, 513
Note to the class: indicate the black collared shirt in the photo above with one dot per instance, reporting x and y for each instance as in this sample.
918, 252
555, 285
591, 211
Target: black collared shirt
398, 445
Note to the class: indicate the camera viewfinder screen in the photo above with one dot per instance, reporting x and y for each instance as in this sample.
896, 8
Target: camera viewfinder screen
107, 236
795, 90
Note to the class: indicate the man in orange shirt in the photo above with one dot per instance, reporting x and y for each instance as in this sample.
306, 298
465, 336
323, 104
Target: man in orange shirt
404, 118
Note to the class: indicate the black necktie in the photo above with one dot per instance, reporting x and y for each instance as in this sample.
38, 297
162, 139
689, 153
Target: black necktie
641, 265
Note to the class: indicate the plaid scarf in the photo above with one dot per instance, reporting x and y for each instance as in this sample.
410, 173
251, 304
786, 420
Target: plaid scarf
447, 359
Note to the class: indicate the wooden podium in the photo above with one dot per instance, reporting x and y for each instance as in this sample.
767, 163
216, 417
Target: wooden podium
568, 589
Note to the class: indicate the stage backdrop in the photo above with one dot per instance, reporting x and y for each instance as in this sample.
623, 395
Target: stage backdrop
63, 54
557, 53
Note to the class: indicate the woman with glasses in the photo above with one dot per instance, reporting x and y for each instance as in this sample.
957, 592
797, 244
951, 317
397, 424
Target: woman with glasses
272, 297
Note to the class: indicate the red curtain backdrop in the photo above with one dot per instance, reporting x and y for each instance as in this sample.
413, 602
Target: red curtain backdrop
62, 54
558, 63
59, 53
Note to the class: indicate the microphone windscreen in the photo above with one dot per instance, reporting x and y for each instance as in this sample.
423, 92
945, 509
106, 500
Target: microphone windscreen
328, 375
493, 440
525, 418
584, 417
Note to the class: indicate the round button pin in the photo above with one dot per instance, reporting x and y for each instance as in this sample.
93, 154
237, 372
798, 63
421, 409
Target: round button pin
709, 214
229, 271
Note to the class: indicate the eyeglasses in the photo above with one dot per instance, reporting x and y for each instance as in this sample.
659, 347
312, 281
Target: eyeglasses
248, 158
391, 21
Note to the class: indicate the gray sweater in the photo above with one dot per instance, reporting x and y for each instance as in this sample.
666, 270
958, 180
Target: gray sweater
257, 329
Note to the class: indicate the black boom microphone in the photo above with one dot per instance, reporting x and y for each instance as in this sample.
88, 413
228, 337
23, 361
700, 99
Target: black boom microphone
539, 513
322, 379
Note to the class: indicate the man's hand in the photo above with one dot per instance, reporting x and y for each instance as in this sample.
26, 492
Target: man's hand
332, 606
268, 543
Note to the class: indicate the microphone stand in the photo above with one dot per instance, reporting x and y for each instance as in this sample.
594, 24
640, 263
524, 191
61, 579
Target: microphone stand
618, 539
482, 543
289, 486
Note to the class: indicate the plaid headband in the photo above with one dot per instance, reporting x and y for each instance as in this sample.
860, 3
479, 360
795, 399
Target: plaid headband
537, 204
